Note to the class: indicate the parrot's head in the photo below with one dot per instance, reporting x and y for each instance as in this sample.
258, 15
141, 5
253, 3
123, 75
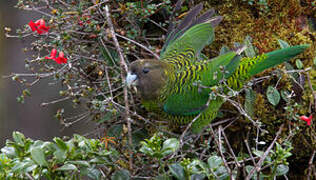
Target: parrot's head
148, 76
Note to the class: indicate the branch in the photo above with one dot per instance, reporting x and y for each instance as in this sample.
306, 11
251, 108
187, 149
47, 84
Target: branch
219, 148
310, 165
123, 68
259, 164
138, 44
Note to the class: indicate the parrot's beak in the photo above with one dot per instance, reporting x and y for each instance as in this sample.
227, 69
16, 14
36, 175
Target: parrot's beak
131, 79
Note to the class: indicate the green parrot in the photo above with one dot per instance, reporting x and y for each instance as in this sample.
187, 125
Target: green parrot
179, 84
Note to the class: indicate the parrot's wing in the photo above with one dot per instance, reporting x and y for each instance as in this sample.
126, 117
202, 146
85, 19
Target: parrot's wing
185, 42
249, 67
188, 94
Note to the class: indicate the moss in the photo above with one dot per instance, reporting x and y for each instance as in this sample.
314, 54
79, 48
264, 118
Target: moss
286, 20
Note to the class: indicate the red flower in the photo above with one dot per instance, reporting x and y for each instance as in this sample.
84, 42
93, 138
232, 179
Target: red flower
53, 54
32, 25
39, 26
307, 119
60, 59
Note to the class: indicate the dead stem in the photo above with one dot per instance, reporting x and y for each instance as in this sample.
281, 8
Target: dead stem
229, 147
311, 166
123, 68
138, 44
258, 166
219, 148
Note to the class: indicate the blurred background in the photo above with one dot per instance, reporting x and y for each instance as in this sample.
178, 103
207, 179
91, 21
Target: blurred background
29, 118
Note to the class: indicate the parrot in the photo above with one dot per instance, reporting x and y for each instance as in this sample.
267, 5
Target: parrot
179, 85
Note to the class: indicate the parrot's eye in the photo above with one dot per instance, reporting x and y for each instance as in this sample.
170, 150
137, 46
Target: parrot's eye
145, 70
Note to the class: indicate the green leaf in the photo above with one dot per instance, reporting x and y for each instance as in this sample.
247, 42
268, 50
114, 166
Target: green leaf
80, 163
282, 170
273, 95
249, 102
197, 177
18, 137
170, 146
163, 177
250, 50
30, 167
314, 61
26, 165
289, 67
18, 167
121, 175
9, 152
60, 143
177, 171
67, 167
299, 64
258, 153
283, 44
38, 156
197, 166
94, 173
222, 172
254, 176
285, 95
214, 162
60, 155
146, 150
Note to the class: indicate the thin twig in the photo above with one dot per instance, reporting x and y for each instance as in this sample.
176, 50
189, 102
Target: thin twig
250, 153
42, 75
38, 11
310, 165
218, 143
140, 45
123, 68
29, 176
242, 111
228, 145
265, 154
55, 101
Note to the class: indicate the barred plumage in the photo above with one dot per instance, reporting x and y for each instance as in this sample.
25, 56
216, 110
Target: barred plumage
170, 86
241, 74
180, 59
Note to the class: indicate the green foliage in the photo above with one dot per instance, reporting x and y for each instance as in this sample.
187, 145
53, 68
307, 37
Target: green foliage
92, 80
75, 158
157, 148
276, 160
273, 95
121, 175
249, 102
196, 169
262, 4
250, 51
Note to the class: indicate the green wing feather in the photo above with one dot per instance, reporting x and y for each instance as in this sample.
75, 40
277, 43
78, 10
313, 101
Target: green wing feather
185, 50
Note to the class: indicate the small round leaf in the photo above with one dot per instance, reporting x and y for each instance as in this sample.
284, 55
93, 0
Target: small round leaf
273, 95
